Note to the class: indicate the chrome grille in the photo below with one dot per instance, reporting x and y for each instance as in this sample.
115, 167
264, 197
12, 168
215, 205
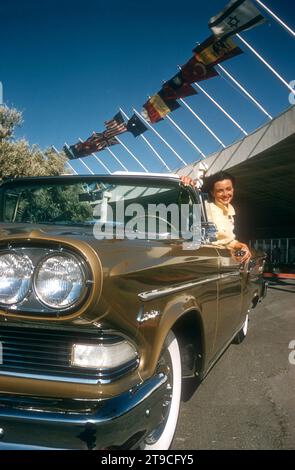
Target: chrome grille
46, 354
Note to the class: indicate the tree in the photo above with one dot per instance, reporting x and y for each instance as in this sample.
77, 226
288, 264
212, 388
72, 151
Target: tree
18, 158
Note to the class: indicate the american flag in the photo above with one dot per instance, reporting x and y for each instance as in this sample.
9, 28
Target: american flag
115, 126
95, 143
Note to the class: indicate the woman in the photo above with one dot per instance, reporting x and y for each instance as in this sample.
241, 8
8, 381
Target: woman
220, 188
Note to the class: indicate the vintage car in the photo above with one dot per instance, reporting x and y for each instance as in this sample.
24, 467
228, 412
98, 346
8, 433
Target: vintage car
111, 292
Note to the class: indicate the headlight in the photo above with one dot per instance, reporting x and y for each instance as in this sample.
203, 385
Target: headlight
60, 281
103, 356
15, 278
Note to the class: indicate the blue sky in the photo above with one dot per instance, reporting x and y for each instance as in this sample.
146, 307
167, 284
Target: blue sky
70, 65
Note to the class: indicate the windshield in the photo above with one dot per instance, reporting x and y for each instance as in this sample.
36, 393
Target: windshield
91, 202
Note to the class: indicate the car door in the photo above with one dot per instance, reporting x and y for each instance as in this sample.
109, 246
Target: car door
229, 297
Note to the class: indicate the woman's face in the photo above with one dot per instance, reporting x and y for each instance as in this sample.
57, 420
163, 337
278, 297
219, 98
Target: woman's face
223, 192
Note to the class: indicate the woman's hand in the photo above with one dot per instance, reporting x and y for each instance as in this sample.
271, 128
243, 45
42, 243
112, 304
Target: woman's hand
187, 181
246, 253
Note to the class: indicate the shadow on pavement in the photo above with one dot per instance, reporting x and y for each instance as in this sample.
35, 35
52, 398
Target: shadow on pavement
189, 387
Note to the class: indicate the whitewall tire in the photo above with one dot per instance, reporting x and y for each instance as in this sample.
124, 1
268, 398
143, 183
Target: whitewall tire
161, 438
241, 335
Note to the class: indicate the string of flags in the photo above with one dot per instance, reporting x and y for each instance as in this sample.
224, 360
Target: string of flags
237, 16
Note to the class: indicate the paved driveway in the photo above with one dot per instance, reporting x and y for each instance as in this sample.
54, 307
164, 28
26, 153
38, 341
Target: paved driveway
248, 399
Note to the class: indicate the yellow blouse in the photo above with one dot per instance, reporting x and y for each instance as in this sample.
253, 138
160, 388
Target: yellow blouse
223, 217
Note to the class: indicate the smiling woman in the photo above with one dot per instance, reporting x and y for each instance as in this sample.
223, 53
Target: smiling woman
220, 188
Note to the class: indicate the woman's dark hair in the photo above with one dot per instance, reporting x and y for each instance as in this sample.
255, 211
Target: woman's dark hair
209, 182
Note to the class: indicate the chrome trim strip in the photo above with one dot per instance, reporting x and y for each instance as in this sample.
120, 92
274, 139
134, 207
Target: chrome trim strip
230, 274
154, 294
111, 409
49, 377
61, 378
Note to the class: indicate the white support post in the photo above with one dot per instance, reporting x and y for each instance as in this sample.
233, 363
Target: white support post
149, 144
67, 162
72, 168
132, 155
275, 73
185, 136
281, 22
160, 137
117, 159
221, 108
202, 122
243, 89
97, 159
86, 166
80, 160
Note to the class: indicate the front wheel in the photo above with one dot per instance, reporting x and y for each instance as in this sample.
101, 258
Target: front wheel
170, 363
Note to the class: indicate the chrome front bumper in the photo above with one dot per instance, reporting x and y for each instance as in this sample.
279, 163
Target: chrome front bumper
120, 422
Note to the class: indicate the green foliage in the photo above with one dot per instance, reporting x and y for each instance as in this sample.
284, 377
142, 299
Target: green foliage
9, 119
18, 158
56, 204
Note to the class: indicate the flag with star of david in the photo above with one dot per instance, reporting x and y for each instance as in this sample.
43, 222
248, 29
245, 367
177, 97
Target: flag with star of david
238, 15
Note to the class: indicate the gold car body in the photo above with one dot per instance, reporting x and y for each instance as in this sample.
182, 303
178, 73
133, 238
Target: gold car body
142, 289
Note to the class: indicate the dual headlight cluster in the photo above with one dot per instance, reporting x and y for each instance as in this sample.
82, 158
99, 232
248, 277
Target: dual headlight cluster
58, 280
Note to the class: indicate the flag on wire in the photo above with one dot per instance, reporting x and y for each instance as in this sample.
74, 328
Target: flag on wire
115, 126
177, 88
238, 15
68, 152
95, 143
157, 107
195, 71
149, 113
136, 126
214, 51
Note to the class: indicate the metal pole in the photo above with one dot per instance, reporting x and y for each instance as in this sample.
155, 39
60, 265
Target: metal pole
185, 136
266, 63
149, 144
80, 160
203, 123
221, 109
243, 89
117, 159
160, 137
98, 159
101, 163
132, 155
67, 162
251, 97
83, 163
73, 169
276, 18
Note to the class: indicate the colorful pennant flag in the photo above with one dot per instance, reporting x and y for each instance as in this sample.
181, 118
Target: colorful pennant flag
136, 126
177, 88
95, 143
214, 51
115, 126
238, 15
157, 107
195, 71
